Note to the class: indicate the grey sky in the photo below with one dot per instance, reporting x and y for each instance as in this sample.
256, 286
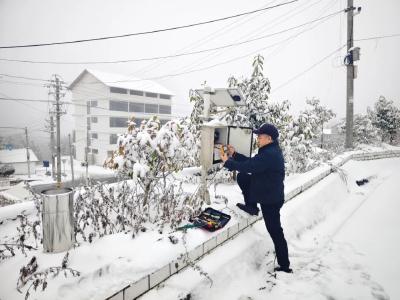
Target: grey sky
28, 21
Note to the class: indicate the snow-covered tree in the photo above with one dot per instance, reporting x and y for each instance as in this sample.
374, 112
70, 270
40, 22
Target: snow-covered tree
321, 116
386, 117
297, 145
259, 108
364, 132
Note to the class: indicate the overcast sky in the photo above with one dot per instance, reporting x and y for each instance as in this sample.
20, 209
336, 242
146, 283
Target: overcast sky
28, 21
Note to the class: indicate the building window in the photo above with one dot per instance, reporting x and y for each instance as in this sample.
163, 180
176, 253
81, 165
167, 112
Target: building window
136, 107
118, 90
136, 93
93, 103
118, 122
113, 139
95, 135
73, 136
89, 142
88, 123
151, 108
118, 105
163, 96
165, 109
95, 151
94, 119
88, 108
151, 95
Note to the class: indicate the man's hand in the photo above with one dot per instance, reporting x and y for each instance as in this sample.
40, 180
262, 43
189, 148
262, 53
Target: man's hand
231, 150
224, 157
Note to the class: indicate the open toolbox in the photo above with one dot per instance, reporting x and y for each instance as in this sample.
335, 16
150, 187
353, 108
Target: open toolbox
211, 219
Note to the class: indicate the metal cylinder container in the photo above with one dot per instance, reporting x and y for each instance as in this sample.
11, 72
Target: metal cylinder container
58, 220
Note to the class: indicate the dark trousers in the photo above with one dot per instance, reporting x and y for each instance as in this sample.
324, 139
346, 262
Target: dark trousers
272, 219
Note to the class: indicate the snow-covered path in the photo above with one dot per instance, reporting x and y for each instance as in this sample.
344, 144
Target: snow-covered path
381, 251
343, 241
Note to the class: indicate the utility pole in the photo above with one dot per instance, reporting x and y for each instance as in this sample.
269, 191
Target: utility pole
27, 152
52, 145
55, 89
71, 160
58, 114
351, 74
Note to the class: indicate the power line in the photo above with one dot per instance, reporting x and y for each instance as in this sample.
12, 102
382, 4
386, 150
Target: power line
209, 37
251, 34
179, 54
147, 32
21, 83
22, 77
208, 67
214, 55
212, 66
308, 69
27, 100
378, 37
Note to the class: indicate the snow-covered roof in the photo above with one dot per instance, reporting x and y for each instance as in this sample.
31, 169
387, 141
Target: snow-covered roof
16, 156
124, 81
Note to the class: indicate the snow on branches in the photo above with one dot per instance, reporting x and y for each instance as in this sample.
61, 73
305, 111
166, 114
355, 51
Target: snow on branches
386, 117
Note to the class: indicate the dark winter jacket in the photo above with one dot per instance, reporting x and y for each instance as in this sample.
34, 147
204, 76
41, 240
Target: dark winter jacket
267, 171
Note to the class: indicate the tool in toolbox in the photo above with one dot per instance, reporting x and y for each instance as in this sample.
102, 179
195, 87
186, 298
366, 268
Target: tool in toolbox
210, 219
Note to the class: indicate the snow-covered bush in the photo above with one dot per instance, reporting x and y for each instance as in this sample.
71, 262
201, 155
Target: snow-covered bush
150, 153
386, 117
364, 132
297, 144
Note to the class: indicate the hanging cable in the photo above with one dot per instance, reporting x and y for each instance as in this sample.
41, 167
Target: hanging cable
148, 32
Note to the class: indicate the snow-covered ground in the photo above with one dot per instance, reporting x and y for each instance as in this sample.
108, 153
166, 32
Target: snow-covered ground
344, 243
327, 260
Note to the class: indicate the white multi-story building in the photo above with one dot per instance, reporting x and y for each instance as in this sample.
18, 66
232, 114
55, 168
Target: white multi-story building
104, 102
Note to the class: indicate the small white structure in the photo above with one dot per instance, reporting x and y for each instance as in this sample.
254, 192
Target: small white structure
17, 159
106, 101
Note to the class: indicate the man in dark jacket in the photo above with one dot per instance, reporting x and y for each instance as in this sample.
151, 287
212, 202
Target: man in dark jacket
261, 181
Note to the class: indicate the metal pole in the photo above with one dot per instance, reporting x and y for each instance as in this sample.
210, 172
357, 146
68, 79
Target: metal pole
58, 113
52, 145
350, 78
206, 115
27, 152
71, 160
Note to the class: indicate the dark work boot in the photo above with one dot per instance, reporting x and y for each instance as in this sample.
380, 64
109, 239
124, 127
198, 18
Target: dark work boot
283, 269
249, 209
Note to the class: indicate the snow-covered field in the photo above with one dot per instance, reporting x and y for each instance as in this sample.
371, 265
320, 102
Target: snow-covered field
343, 241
